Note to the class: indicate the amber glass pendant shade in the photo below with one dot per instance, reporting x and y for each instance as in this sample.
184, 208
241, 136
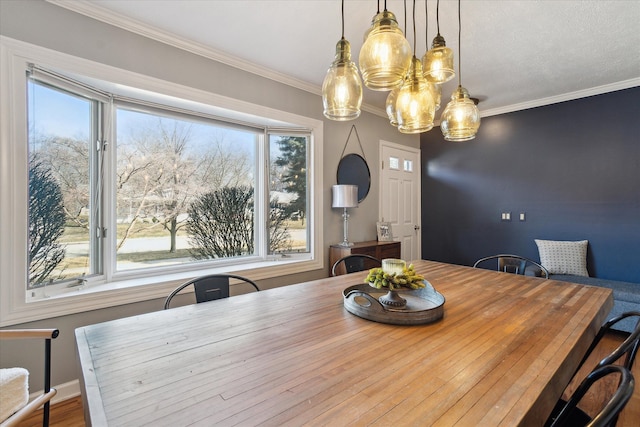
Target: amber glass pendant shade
460, 120
415, 107
385, 55
390, 106
436, 93
342, 89
437, 63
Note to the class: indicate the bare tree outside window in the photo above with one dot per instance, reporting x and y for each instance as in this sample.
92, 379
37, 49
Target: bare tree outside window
220, 224
164, 165
46, 224
155, 172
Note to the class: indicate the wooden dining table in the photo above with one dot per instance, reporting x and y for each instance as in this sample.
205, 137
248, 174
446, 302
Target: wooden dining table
501, 355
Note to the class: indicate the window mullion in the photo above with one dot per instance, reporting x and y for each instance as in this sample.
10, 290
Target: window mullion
262, 196
108, 197
99, 179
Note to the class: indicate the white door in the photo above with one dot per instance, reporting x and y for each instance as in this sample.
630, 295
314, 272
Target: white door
400, 196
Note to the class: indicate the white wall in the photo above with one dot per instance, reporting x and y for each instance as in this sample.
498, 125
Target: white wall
50, 26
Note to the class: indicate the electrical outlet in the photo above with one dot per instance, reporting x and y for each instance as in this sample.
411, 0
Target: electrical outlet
522, 216
506, 216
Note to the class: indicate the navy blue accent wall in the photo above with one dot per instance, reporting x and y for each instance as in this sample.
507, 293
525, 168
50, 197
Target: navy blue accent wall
573, 168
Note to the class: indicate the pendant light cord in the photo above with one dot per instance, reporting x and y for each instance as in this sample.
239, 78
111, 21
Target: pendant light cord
438, 16
459, 49
405, 16
414, 27
343, 19
426, 25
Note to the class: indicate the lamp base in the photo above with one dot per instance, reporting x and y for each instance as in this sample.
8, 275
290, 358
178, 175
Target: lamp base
345, 241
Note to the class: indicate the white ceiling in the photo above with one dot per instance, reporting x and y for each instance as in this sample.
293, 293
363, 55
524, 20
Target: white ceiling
515, 53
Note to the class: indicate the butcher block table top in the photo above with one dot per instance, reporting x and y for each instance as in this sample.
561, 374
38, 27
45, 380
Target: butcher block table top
501, 356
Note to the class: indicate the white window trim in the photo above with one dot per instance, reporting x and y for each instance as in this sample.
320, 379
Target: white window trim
14, 55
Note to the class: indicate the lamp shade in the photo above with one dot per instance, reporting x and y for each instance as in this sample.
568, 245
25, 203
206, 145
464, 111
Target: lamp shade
436, 93
345, 196
390, 106
460, 119
385, 55
415, 106
342, 90
437, 63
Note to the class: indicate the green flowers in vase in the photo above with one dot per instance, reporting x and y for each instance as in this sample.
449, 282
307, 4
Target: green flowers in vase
379, 279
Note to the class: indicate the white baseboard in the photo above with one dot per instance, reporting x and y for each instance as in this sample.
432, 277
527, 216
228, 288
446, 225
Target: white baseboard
65, 391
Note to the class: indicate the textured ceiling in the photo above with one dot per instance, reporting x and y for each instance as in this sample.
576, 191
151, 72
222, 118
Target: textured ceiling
515, 54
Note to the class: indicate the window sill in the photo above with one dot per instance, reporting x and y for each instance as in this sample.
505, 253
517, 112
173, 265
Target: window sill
48, 303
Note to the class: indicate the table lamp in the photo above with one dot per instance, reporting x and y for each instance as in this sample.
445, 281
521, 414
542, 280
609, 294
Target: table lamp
345, 196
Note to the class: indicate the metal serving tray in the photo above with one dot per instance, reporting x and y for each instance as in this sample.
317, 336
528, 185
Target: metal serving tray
423, 306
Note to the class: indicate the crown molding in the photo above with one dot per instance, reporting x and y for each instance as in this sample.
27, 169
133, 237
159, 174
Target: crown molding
91, 10
569, 96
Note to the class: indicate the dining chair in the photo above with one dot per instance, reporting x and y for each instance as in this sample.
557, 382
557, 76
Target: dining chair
14, 382
510, 263
567, 414
628, 348
355, 262
210, 287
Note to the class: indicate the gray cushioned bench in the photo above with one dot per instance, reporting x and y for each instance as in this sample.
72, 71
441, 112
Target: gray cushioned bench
626, 296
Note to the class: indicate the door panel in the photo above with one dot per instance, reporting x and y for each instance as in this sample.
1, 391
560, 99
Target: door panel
400, 195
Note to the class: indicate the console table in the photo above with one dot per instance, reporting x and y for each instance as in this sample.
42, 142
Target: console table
374, 248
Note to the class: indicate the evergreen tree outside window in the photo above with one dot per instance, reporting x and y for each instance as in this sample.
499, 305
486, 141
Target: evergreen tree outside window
288, 186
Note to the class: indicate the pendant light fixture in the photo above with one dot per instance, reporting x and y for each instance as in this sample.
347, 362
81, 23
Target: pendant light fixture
386, 54
436, 90
342, 88
390, 105
460, 120
438, 62
415, 106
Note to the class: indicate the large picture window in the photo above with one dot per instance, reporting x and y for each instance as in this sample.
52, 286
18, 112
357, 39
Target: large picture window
115, 187
121, 185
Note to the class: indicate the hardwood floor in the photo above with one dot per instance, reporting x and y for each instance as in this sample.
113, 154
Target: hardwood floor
69, 413
630, 416
63, 414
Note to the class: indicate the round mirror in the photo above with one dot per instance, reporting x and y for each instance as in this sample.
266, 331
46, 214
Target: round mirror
353, 169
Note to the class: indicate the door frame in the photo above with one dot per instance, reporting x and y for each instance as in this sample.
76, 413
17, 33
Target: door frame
418, 169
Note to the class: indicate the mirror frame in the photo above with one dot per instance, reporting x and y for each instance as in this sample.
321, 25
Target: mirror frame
354, 170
